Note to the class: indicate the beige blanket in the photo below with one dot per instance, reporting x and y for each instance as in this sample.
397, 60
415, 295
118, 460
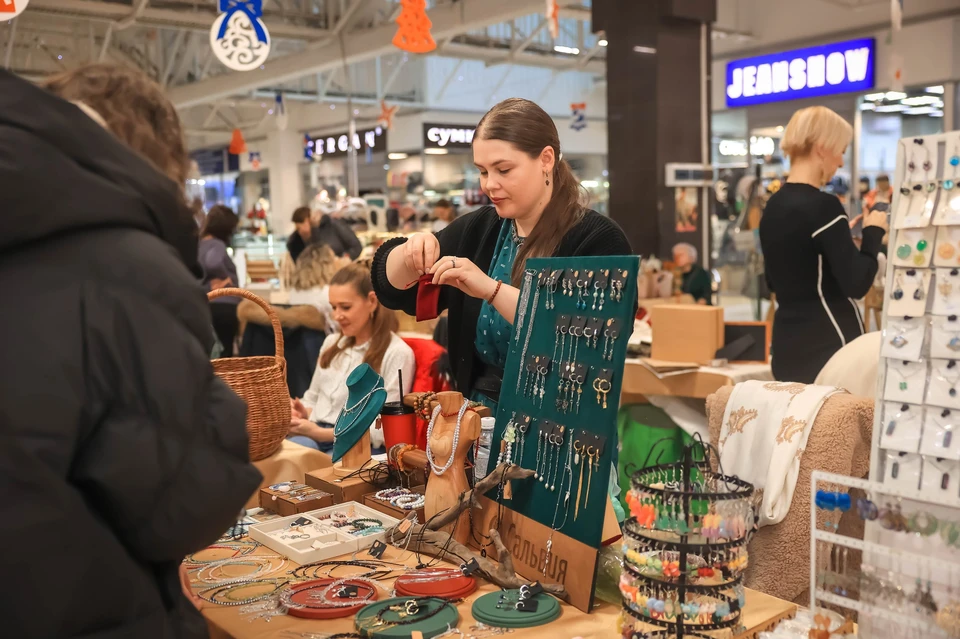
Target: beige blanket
839, 443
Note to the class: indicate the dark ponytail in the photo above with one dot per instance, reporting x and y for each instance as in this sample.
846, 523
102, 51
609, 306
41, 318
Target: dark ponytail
528, 127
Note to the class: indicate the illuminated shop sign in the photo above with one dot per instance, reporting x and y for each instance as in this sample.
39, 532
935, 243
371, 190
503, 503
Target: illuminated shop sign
760, 146
841, 67
338, 145
447, 136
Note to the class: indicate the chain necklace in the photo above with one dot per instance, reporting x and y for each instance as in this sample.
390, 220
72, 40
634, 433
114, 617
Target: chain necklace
516, 236
360, 405
522, 314
904, 376
456, 438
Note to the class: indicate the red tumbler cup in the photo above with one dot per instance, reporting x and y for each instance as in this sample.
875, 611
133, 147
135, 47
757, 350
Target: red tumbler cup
399, 424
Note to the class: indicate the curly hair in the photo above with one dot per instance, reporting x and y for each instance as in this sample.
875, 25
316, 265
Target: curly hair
315, 267
135, 110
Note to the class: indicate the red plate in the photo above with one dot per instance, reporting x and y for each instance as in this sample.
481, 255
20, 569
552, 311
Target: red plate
454, 588
301, 594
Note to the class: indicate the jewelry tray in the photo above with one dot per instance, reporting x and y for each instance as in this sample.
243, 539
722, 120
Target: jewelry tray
302, 550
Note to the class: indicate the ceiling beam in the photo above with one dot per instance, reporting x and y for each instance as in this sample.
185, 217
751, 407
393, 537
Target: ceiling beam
448, 20
200, 20
529, 59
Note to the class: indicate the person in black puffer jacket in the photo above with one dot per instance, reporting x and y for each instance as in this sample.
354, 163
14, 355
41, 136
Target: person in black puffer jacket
121, 451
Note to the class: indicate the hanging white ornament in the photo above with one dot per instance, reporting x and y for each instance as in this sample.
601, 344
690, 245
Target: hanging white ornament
10, 9
239, 38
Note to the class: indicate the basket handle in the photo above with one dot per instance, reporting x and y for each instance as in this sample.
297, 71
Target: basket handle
274, 320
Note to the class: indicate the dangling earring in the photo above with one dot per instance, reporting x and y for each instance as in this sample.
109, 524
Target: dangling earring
546, 179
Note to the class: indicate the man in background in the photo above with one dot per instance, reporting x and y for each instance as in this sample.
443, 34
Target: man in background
883, 193
696, 281
334, 233
444, 213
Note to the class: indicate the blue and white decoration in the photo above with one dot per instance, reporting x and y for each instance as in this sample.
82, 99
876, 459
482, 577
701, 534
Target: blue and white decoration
280, 113
238, 37
578, 116
840, 67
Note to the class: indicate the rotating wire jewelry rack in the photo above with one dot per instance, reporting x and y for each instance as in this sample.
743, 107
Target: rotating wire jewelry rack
685, 549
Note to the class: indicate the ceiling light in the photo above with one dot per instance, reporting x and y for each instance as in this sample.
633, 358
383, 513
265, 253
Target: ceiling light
921, 100
873, 97
562, 49
602, 43
889, 108
920, 110
936, 114
589, 184
894, 95
397, 156
867, 106
436, 151
201, 182
937, 89
648, 50
779, 129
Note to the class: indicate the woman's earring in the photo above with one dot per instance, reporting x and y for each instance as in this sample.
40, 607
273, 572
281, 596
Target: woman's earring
546, 179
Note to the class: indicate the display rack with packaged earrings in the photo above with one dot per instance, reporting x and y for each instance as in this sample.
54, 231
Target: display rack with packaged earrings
685, 547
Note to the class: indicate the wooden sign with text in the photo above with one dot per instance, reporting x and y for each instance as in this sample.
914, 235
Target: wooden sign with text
572, 564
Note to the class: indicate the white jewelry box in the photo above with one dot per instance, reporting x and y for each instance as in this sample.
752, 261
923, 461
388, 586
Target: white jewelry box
335, 541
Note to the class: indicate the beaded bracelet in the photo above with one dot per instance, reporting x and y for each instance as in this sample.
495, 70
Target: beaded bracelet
229, 587
388, 494
410, 501
362, 521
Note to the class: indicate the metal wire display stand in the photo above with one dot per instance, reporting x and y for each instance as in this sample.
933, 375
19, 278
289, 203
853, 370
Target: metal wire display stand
683, 493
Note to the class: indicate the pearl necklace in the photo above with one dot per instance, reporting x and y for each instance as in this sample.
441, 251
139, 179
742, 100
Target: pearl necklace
456, 438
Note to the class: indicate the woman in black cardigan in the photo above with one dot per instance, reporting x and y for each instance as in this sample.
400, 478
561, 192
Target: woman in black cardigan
811, 261
537, 212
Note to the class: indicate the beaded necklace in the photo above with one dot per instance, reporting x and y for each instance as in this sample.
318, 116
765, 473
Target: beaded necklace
456, 439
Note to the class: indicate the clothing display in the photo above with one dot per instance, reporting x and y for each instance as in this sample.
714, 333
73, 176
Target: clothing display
328, 393
816, 272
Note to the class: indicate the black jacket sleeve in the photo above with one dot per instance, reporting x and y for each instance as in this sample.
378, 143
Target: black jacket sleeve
853, 270
163, 454
349, 239
451, 241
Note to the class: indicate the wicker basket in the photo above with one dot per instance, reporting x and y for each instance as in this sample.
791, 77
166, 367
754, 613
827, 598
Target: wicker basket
261, 382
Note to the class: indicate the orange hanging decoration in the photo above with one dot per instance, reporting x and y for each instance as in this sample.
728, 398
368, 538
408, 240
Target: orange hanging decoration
237, 144
553, 18
386, 114
414, 32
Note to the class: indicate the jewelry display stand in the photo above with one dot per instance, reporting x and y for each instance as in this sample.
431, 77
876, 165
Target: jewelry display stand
355, 458
557, 416
686, 548
913, 464
454, 430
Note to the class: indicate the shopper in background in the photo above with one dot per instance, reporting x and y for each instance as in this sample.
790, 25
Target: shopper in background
122, 452
308, 281
696, 280
811, 261
324, 229
367, 335
219, 271
538, 212
883, 193
444, 212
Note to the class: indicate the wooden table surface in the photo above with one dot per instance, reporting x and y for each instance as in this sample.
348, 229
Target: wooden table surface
762, 611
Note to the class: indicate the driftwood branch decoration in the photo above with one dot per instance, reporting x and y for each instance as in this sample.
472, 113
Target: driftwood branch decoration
425, 539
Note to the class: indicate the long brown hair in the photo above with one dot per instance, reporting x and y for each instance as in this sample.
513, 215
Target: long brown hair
528, 128
135, 109
384, 322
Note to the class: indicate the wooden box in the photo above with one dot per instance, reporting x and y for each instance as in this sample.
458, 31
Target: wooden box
686, 332
299, 499
343, 490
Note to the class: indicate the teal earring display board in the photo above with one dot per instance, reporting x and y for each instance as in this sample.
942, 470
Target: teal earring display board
561, 389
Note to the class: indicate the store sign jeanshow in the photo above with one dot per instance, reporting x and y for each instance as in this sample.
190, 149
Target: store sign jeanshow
841, 67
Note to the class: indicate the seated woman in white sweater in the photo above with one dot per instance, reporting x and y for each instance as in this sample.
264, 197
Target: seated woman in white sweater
367, 335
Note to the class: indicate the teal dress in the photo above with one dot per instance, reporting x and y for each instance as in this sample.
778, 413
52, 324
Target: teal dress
493, 331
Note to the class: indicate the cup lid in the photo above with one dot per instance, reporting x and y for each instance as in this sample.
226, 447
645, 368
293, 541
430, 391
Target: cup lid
396, 408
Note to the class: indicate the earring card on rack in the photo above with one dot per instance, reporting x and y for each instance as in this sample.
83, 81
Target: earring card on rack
582, 333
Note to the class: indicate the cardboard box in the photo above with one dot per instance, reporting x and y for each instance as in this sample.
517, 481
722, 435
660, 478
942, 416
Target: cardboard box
686, 332
352, 489
299, 499
389, 509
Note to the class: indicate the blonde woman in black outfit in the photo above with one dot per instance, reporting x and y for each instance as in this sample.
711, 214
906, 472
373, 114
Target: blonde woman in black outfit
538, 211
811, 261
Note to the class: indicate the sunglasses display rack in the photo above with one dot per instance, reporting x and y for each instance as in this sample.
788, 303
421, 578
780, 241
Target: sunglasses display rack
904, 579
685, 549
916, 438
